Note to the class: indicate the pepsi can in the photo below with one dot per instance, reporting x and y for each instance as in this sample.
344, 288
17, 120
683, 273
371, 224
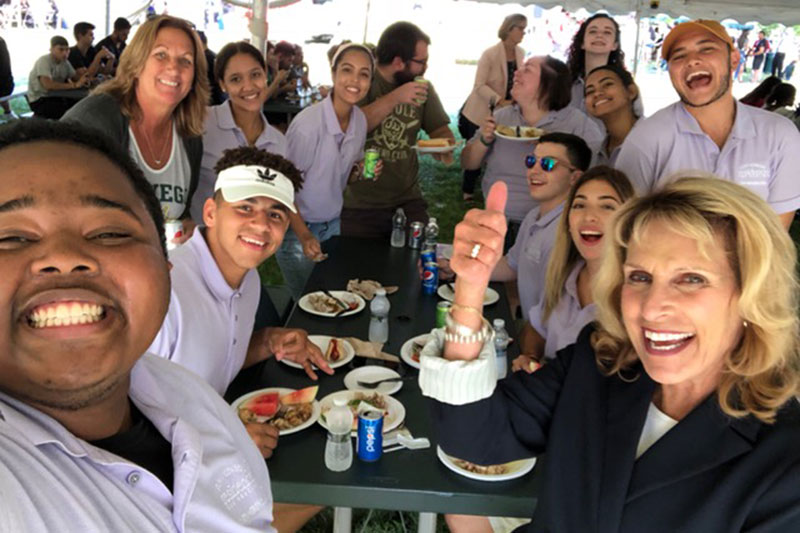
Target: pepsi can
428, 255
430, 278
369, 440
415, 235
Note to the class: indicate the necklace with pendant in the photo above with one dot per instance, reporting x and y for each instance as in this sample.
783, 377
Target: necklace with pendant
155, 157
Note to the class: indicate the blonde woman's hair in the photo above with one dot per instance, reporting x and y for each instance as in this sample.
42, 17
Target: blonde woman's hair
763, 370
191, 112
565, 254
509, 22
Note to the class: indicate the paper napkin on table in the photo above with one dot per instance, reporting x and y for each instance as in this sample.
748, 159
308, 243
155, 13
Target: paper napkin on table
371, 350
366, 288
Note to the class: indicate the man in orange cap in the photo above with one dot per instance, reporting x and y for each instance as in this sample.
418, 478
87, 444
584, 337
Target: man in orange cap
708, 130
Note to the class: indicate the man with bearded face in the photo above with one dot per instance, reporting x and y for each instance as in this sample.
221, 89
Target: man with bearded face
397, 108
709, 130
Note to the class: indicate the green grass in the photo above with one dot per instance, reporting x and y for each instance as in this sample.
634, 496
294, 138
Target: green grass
441, 188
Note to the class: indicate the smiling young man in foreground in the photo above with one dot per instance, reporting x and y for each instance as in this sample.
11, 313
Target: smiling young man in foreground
709, 130
95, 436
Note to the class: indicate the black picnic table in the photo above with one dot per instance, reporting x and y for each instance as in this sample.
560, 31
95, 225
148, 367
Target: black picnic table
402, 480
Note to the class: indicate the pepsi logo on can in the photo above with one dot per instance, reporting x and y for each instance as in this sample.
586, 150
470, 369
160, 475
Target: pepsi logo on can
415, 235
430, 278
369, 439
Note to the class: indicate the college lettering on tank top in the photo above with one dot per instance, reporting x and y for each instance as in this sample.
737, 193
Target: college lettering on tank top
171, 183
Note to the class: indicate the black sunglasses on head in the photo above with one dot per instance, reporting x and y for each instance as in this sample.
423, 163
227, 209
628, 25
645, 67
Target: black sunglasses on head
547, 162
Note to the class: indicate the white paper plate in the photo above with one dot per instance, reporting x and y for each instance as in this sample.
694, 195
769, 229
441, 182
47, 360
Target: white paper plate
322, 342
436, 149
407, 350
316, 410
395, 417
344, 296
515, 468
514, 137
489, 297
373, 373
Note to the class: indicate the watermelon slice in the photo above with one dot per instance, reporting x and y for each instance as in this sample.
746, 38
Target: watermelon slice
306, 395
261, 408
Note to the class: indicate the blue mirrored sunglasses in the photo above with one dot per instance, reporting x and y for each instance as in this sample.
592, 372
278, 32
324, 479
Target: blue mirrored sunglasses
547, 163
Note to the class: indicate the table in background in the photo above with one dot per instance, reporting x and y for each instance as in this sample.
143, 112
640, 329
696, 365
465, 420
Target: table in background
402, 480
73, 94
284, 106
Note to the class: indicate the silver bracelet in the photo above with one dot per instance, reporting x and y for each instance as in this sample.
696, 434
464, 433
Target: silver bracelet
461, 334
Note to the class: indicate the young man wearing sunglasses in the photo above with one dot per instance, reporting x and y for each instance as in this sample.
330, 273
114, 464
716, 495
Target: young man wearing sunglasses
709, 130
397, 108
556, 162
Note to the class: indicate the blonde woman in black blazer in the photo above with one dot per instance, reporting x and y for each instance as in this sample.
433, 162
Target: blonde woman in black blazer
677, 411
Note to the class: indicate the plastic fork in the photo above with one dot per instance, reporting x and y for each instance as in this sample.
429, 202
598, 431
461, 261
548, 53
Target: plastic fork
376, 384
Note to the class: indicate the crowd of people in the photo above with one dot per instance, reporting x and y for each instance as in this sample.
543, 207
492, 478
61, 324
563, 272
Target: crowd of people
657, 282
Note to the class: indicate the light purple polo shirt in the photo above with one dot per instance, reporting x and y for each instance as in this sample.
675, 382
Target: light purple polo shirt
567, 319
50, 480
530, 253
208, 325
505, 160
601, 155
762, 153
222, 133
325, 155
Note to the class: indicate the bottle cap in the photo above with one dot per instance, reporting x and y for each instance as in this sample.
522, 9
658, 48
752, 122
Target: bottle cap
498, 323
380, 292
339, 402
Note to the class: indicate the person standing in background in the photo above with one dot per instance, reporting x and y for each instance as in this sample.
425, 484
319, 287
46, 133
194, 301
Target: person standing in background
759, 52
777, 61
741, 44
492, 88
397, 107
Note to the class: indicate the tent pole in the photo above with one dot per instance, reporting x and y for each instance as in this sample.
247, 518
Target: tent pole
108, 17
638, 30
258, 30
366, 22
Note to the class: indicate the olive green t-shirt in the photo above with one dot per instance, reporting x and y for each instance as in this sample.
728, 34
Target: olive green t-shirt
393, 138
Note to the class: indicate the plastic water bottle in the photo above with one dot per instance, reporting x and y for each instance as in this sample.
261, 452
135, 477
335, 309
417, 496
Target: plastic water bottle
379, 317
500, 344
339, 448
299, 87
431, 233
399, 228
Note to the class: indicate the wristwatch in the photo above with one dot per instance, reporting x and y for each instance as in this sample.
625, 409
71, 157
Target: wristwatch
461, 334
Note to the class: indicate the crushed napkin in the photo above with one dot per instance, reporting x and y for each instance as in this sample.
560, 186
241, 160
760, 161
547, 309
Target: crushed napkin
371, 350
366, 288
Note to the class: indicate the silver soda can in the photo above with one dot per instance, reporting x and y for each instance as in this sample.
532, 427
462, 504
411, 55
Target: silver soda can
415, 230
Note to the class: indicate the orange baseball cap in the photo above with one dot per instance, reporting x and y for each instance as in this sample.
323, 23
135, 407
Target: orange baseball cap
711, 26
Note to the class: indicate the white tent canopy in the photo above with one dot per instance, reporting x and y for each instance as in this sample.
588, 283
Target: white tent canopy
786, 12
